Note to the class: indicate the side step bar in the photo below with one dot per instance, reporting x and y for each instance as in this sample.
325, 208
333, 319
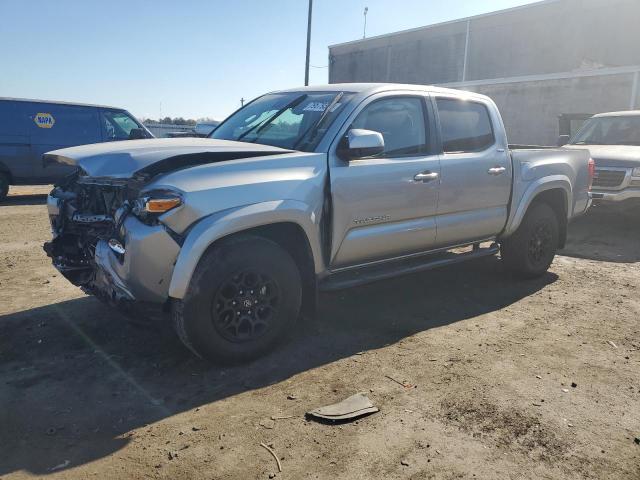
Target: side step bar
375, 273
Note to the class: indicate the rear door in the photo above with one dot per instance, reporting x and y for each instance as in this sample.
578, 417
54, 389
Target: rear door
476, 171
382, 208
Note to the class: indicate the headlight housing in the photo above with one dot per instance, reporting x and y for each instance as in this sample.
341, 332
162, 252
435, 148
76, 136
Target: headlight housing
153, 204
636, 172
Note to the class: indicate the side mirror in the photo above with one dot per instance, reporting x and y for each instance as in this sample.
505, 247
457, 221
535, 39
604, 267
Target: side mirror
136, 134
360, 143
563, 140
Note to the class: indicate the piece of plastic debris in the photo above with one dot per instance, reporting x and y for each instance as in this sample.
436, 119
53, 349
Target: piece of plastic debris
350, 408
565, 390
612, 344
404, 463
61, 466
291, 397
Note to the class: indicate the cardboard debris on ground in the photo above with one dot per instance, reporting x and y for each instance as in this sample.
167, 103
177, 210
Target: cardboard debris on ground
350, 408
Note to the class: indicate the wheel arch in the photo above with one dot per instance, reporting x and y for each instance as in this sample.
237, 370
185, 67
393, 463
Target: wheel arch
6, 171
556, 192
290, 226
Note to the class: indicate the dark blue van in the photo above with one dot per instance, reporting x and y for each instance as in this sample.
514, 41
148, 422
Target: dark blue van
29, 128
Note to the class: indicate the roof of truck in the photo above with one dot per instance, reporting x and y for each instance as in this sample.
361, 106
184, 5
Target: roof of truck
371, 88
624, 113
57, 102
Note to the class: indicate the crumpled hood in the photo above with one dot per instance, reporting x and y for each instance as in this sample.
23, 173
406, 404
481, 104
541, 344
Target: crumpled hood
625, 156
126, 158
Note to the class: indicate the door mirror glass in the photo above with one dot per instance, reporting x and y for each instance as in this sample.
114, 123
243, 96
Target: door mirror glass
563, 140
360, 143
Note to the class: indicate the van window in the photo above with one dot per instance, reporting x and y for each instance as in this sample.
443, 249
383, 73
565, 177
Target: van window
117, 125
400, 120
465, 126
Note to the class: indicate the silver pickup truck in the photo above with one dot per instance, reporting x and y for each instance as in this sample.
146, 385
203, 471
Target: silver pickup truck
317, 188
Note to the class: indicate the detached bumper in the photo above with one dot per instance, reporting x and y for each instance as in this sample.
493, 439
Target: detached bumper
615, 195
143, 272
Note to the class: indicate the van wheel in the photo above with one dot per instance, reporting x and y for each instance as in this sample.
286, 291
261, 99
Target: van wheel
243, 299
531, 249
4, 186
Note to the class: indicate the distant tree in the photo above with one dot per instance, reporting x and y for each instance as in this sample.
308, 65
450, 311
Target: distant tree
170, 121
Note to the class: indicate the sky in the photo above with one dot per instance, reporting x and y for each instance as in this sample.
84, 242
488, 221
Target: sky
189, 58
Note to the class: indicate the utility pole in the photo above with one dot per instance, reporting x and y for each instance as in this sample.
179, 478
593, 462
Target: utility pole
306, 70
364, 33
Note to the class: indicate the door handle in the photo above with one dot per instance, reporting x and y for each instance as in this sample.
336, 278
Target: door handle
426, 176
496, 170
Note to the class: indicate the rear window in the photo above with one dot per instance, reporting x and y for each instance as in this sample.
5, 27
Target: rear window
465, 126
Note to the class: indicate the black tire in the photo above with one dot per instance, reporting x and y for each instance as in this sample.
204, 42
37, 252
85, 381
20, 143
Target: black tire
4, 186
530, 251
222, 318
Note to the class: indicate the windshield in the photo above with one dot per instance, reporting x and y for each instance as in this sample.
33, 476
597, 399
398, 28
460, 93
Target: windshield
292, 120
623, 130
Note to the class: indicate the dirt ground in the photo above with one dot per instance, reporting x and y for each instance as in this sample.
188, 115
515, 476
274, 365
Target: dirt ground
508, 379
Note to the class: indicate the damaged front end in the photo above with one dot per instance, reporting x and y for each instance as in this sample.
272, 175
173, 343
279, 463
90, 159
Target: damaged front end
108, 240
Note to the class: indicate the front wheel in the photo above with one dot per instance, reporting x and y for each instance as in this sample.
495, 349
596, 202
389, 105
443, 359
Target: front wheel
243, 299
531, 249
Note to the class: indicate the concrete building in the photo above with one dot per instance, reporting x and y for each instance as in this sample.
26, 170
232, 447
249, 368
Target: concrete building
547, 65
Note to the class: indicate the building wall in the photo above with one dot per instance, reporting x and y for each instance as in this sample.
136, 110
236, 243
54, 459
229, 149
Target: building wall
570, 37
530, 110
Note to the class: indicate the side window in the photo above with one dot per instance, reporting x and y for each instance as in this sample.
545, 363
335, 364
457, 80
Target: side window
117, 125
400, 121
465, 126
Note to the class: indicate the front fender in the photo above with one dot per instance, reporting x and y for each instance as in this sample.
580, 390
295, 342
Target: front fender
238, 219
532, 190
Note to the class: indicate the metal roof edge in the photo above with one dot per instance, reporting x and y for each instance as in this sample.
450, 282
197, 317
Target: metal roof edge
447, 22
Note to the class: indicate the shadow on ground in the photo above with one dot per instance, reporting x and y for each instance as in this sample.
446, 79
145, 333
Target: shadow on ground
30, 199
76, 376
609, 233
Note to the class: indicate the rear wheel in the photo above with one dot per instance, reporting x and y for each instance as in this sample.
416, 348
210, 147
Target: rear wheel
4, 186
244, 298
531, 249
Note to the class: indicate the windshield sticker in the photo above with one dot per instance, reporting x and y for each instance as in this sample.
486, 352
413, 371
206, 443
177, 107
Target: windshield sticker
44, 120
316, 107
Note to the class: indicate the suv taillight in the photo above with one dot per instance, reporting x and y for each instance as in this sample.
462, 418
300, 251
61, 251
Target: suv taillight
592, 172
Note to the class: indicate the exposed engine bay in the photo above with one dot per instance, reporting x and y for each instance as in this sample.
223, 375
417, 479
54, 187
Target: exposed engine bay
83, 211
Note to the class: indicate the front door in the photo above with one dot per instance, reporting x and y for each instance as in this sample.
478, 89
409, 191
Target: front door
385, 206
476, 172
